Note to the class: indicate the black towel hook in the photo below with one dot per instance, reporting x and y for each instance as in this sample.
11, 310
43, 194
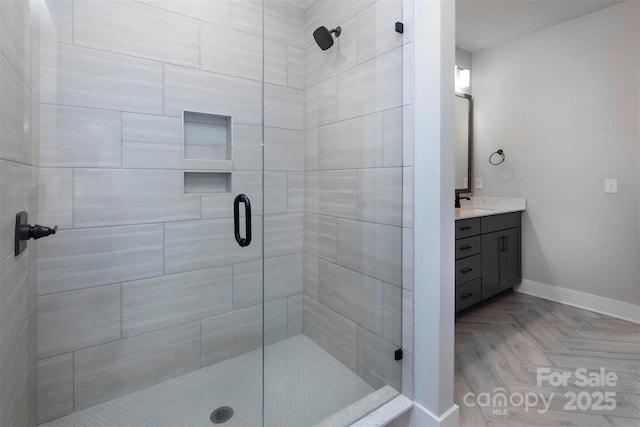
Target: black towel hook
500, 153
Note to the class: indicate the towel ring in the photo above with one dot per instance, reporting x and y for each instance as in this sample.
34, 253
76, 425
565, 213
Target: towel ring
500, 153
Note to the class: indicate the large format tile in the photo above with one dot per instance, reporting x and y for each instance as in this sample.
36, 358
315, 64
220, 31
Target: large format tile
77, 76
138, 30
380, 195
372, 86
275, 63
228, 51
247, 16
295, 192
55, 387
230, 334
392, 314
282, 234
217, 12
73, 320
275, 192
15, 116
371, 249
194, 245
159, 302
311, 275
19, 190
56, 21
113, 197
109, 370
337, 193
247, 147
295, 315
354, 295
320, 236
151, 141
79, 137
350, 144
283, 107
16, 36
250, 184
282, 276
203, 91
55, 197
284, 23
247, 284
376, 364
392, 137
320, 104
331, 331
283, 150
295, 67
75, 259
375, 25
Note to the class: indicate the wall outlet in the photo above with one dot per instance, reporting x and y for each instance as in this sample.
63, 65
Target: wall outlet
478, 183
610, 185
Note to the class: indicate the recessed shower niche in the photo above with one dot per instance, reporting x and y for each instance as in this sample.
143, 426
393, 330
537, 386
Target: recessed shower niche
207, 141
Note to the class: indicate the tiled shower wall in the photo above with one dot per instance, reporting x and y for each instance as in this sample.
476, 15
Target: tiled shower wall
19, 110
141, 281
355, 110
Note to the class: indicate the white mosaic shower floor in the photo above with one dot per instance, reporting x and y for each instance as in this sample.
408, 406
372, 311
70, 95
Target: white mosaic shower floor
303, 385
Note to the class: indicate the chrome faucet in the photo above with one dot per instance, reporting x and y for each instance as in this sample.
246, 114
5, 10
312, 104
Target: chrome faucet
458, 198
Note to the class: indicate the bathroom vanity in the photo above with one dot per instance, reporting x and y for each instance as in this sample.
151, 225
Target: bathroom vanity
487, 251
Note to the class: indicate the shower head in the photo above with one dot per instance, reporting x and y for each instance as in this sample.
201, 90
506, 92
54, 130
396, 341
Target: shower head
323, 36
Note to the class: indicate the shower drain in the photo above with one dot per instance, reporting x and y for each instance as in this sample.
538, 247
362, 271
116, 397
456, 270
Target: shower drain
221, 415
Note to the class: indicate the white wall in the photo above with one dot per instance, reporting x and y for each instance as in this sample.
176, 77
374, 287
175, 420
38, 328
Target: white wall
464, 61
563, 105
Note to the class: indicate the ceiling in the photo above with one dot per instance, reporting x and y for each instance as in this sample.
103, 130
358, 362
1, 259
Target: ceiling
484, 23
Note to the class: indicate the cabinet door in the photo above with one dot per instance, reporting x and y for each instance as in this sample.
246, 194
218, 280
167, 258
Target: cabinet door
491, 245
510, 261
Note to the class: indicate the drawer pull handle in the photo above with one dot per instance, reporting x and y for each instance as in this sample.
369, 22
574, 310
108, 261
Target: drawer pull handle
465, 248
467, 295
465, 228
466, 270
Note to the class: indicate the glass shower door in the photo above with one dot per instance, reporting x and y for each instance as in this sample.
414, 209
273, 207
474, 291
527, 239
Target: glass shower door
150, 295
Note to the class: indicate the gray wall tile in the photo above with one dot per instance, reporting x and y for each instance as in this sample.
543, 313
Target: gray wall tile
196, 90
295, 315
275, 321
392, 134
311, 272
247, 284
79, 137
275, 192
283, 149
56, 21
77, 76
376, 364
73, 320
109, 370
217, 12
282, 234
151, 141
113, 197
138, 30
392, 314
283, 107
228, 51
331, 331
194, 245
230, 334
282, 276
114, 254
295, 192
275, 63
19, 189
371, 249
380, 195
355, 143
55, 387
159, 302
320, 103
15, 116
354, 295
247, 147
337, 193
320, 236
217, 206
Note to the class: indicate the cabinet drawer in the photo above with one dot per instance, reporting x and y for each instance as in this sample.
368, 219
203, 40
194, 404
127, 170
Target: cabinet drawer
467, 227
468, 269
467, 247
492, 223
468, 294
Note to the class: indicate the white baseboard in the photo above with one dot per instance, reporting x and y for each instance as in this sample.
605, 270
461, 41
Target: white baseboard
610, 307
422, 417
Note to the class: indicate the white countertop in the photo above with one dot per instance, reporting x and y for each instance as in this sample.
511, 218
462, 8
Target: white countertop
484, 206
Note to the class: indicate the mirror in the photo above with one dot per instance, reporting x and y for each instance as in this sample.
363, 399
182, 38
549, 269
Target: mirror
463, 138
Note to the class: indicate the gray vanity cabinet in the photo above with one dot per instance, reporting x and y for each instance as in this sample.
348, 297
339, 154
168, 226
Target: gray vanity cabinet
500, 261
488, 257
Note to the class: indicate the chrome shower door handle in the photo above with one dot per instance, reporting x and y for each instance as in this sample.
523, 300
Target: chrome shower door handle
242, 198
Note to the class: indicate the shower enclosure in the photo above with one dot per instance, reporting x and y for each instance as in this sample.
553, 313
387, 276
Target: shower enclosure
229, 203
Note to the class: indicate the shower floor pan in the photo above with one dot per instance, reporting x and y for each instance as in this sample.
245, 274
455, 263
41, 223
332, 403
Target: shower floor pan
303, 385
